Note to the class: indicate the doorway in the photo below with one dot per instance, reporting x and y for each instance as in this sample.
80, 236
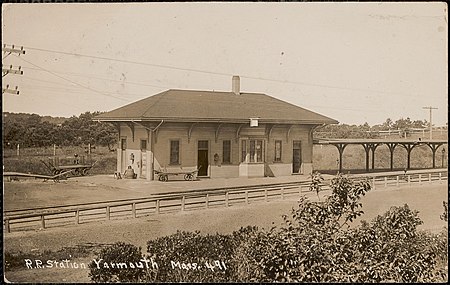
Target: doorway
296, 156
202, 158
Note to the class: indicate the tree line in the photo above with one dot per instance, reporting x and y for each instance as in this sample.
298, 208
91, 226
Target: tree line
366, 131
32, 130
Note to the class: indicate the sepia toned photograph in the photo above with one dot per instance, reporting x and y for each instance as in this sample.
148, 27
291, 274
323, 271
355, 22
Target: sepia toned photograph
210, 142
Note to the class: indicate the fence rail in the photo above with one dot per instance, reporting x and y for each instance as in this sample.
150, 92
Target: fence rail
191, 200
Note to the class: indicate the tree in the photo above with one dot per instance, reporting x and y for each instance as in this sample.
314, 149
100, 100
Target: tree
30, 130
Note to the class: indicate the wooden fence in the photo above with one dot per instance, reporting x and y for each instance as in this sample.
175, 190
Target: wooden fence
26, 219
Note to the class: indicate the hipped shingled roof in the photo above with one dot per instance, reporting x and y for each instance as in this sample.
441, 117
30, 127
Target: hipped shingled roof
211, 106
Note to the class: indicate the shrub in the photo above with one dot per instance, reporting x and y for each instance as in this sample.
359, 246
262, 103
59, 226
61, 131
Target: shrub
315, 244
251, 245
191, 257
444, 215
120, 262
389, 248
304, 249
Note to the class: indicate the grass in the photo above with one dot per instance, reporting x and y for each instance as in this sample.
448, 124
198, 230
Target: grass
29, 159
16, 260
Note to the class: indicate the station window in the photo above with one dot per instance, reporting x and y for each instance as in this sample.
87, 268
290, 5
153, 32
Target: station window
244, 151
143, 145
226, 156
175, 152
254, 149
277, 151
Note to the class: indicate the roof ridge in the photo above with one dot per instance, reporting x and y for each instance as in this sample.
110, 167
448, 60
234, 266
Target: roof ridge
214, 91
154, 103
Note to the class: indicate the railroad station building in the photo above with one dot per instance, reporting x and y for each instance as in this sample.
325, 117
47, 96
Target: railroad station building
222, 134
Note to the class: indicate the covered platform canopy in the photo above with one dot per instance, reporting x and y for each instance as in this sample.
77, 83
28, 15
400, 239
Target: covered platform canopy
372, 144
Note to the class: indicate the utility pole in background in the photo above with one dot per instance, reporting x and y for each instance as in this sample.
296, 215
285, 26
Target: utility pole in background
8, 50
431, 124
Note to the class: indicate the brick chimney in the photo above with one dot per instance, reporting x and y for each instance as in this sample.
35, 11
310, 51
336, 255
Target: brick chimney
236, 85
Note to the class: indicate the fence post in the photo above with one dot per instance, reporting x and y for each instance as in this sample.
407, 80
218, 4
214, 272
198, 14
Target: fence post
385, 181
42, 222
157, 206
440, 176
429, 177
265, 195
8, 228
409, 180
398, 180
77, 217
300, 190
108, 212
246, 197
282, 193
226, 199
207, 201
420, 179
183, 201
373, 183
133, 210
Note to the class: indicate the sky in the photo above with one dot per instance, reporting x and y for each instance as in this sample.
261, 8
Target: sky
353, 62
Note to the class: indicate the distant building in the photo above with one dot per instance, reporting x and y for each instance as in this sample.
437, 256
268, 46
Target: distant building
224, 134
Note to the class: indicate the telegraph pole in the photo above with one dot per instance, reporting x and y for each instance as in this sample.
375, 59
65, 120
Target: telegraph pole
431, 125
8, 50
11, 91
11, 69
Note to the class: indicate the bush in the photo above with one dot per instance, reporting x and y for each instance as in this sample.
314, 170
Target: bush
120, 262
304, 249
444, 215
315, 244
389, 248
191, 257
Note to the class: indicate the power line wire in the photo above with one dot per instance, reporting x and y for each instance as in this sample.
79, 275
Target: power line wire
216, 73
106, 93
70, 88
46, 81
53, 100
130, 61
71, 81
66, 90
105, 79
